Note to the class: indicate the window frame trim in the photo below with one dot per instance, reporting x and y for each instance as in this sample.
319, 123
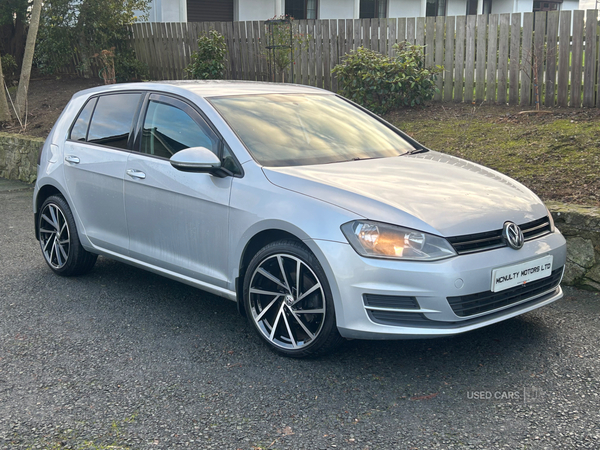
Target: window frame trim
171, 99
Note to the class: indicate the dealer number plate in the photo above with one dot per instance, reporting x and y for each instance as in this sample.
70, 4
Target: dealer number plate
518, 274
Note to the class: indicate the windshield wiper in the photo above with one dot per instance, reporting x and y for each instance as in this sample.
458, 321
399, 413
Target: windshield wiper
415, 151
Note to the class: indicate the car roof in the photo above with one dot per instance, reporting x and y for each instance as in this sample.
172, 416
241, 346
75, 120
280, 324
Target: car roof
209, 88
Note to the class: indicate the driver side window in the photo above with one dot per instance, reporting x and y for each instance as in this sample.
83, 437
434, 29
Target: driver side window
168, 129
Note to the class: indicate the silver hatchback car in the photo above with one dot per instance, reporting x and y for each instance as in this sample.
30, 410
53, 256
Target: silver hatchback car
321, 220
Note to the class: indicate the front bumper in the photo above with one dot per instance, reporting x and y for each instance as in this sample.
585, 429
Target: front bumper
429, 285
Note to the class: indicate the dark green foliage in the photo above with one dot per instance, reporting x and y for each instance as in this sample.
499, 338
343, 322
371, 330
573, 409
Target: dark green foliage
381, 83
84, 28
128, 68
10, 70
208, 62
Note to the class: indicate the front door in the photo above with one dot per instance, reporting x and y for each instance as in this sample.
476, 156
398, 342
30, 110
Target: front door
177, 221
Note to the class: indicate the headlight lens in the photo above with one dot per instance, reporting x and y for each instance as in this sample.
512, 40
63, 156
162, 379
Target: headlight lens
381, 240
551, 219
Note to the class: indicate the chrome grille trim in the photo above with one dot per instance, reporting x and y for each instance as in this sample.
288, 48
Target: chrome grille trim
489, 240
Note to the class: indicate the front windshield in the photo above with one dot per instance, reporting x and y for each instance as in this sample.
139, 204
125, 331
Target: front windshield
299, 129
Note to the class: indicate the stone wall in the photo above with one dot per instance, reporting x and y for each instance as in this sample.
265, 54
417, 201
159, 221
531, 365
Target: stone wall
18, 157
579, 224
581, 227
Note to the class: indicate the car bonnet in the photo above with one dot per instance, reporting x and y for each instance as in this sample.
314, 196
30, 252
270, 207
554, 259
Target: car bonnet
431, 192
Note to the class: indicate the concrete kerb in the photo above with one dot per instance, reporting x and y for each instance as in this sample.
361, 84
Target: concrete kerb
579, 224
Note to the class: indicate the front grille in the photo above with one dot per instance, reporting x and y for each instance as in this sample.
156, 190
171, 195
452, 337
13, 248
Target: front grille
468, 305
478, 242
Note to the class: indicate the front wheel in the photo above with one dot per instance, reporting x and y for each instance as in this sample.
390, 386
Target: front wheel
59, 240
288, 300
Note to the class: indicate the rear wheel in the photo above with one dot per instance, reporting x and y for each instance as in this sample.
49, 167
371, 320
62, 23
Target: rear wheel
289, 301
59, 239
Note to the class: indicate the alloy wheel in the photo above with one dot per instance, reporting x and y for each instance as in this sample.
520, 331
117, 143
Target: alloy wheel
55, 238
287, 301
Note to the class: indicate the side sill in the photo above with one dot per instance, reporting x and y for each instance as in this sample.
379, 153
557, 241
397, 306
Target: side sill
216, 290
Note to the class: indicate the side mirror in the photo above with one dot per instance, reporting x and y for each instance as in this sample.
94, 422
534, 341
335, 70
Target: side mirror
195, 159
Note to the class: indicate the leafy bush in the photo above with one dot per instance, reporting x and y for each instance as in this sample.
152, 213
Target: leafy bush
208, 62
10, 69
381, 83
129, 68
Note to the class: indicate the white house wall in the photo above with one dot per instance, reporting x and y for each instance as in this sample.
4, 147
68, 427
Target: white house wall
256, 10
506, 6
456, 8
340, 9
404, 8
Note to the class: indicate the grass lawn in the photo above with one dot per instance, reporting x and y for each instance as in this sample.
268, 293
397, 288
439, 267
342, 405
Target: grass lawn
555, 153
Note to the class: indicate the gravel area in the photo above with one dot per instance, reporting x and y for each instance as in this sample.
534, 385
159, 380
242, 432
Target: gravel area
124, 359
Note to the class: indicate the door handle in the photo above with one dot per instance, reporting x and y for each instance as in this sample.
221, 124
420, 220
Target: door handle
136, 174
72, 159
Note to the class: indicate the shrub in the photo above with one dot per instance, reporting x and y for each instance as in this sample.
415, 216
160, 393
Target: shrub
129, 68
10, 69
208, 62
381, 83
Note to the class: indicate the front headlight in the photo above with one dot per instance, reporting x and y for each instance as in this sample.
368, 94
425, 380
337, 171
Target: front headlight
381, 240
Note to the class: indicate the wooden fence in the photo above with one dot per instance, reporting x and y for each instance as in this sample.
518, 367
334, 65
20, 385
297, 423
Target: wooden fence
507, 58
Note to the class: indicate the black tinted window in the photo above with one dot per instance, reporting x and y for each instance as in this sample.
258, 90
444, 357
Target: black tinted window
168, 129
111, 122
80, 127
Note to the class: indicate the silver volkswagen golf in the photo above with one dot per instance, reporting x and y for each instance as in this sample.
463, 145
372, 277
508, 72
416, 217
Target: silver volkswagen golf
321, 220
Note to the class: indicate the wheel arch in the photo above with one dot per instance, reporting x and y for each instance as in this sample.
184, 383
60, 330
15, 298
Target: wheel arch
258, 241
42, 194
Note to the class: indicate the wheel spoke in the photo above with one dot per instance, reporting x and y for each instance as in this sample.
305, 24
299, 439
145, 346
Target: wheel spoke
57, 253
287, 325
45, 249
274, 328
280, 261
306, 330
45, 217
262, 292
262, 313
298, 284
271, 277
54, 219
308, 311
307, 293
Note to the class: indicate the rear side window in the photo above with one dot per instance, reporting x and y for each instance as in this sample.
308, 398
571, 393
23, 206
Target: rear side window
112, 119
80, 127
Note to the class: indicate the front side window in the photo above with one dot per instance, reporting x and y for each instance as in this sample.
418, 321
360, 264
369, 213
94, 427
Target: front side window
373, 9
168, 129
112, 120
297, 129
301, 9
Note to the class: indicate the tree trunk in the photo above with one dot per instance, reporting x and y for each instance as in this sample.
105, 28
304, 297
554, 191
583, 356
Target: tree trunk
21, 102
4, 111
84, 54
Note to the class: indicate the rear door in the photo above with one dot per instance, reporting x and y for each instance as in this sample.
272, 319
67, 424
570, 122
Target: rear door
177, 221
95, 158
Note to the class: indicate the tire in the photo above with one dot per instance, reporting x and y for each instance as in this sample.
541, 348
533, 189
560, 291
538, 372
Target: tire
276, 306
59, 240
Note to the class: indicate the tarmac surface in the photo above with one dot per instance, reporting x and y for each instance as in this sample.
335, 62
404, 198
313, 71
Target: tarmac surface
124, 359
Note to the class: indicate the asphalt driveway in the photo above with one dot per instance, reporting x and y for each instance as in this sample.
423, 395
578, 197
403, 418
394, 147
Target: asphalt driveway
121, 358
